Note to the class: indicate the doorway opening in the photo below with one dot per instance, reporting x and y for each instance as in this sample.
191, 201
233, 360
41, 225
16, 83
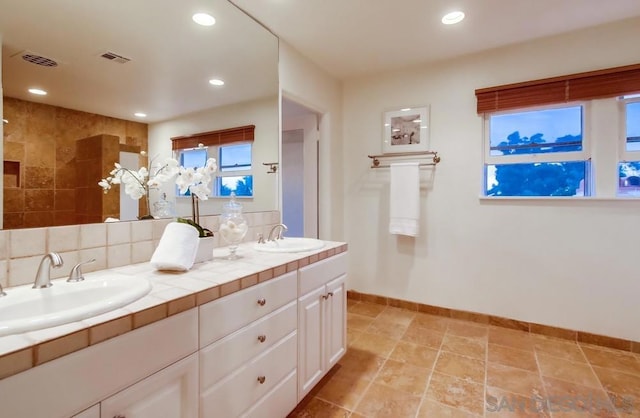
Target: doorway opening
299, 168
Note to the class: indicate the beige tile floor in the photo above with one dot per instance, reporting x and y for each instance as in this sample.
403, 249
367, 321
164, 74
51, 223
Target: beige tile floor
401, 363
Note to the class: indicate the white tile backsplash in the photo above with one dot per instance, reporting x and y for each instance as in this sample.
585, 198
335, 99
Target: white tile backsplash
112, 245
100, 255
93, 235
23, 270
63, 238
141, 231
118, 255
4, 238
141, 251
118, 233
27, 242
69, 259
4, 274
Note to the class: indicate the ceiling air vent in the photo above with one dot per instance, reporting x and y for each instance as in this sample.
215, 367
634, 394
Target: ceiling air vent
39, 60
111, 56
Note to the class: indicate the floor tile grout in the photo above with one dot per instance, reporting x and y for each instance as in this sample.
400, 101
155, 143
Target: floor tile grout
463, 329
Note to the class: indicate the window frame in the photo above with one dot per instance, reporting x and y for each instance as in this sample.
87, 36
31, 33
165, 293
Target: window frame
585, 155
623, 154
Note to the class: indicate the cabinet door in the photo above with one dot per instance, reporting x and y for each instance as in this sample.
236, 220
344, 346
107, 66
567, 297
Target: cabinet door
170, 393
310, 347
335, 328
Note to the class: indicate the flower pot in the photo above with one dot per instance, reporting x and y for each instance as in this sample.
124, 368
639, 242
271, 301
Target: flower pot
205, 249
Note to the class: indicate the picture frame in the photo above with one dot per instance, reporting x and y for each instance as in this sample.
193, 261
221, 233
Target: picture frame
406, 130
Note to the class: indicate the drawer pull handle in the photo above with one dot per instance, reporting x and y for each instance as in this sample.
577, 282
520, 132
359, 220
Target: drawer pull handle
325, 297
330, 294
262, 302
261, 379
262, 338
119, 416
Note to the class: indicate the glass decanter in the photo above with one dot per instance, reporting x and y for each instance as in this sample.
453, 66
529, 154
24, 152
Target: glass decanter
233, 226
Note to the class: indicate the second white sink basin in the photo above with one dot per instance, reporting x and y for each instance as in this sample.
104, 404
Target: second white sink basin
26, 309
290, 245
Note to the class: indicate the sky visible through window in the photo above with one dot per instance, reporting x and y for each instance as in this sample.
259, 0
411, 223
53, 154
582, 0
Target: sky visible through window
545, 125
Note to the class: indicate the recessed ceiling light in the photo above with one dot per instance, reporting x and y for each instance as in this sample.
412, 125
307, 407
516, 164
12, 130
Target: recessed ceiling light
406, 109
140, 114
453, 17
216, 82
39, 92
204, 19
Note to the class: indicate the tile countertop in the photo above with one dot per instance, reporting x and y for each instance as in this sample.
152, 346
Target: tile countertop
171, 293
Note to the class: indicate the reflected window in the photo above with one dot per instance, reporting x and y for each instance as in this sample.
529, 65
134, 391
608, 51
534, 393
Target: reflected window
235, 163
234, 168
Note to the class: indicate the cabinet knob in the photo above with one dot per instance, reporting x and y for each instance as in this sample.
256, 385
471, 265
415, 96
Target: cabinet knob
261, 379
262, 338
262, 301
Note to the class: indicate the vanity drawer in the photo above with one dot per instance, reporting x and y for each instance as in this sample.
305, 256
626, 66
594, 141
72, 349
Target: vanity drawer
245, 344
230, 313
277, 403
317, 274
238, 392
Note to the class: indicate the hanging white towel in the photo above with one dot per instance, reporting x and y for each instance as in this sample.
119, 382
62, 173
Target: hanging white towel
404, 203
177, 248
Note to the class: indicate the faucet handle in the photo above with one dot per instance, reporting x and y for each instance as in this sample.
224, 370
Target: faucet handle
76, 274
261, 238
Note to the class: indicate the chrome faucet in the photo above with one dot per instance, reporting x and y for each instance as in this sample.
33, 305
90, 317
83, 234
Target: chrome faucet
43, 279
283, 228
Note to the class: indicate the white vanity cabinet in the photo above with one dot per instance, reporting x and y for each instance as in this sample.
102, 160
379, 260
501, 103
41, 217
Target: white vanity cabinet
63, 387
169, 393
321, 320
247, 358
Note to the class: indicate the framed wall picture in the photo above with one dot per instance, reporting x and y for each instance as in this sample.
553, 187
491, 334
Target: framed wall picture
406, 130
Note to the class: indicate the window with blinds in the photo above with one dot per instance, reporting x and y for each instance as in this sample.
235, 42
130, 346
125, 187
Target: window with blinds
539, 134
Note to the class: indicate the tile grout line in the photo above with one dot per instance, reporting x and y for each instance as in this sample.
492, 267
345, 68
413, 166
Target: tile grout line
355, 406
433, 368
545, 400
615, 410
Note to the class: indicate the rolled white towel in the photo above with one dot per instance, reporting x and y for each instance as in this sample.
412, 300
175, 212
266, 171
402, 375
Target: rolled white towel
177, 248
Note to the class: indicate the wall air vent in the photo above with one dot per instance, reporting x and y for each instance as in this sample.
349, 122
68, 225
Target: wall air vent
111, 56
39, 60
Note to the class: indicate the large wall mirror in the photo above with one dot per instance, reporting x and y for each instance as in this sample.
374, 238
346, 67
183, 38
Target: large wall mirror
102, 65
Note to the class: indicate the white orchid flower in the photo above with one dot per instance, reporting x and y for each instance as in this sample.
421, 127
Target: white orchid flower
104, 183
200, 190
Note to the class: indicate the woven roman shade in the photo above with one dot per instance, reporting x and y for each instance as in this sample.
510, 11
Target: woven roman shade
214, 138
598, 84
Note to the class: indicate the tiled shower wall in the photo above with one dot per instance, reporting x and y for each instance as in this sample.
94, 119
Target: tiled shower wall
111, 244
40, 150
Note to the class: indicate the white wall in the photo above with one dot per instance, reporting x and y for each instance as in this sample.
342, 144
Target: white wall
571, 264
263, 114
303, 82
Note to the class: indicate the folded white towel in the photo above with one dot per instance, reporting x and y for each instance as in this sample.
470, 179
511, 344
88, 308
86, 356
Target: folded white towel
404, 199
177, 248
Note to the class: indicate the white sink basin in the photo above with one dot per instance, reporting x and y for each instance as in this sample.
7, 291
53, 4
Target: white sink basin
290, 245
26, 309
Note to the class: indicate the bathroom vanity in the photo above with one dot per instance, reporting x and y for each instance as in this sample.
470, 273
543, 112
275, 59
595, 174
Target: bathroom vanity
248, 339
